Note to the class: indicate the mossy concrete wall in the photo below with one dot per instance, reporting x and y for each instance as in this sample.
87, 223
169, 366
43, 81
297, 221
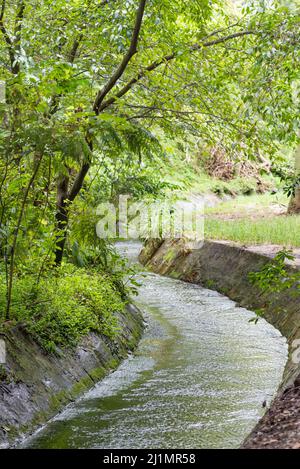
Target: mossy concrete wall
34, 386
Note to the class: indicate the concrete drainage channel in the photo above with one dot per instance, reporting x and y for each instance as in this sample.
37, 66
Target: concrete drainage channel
40, 387
225, 268
198, 377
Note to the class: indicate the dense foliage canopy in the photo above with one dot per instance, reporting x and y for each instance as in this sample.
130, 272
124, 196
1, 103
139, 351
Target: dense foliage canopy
92, 87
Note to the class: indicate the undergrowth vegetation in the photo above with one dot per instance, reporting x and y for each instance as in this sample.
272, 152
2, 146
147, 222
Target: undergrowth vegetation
60, 309
191, 176
275, 278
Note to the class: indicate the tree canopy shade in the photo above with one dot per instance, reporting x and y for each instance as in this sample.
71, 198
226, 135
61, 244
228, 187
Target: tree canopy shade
89, 78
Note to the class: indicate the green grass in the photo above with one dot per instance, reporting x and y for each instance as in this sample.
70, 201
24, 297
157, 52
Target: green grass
63, 308
251, 220
282, 230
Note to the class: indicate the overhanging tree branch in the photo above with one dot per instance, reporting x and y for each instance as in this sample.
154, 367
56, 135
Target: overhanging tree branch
126, 59
74, 49
167, 58
78, 182
222, 39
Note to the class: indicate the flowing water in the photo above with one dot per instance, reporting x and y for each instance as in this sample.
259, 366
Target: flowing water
197, 380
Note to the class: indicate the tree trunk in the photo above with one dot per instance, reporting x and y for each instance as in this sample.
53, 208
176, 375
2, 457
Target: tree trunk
294, 205
61, 217
63, 202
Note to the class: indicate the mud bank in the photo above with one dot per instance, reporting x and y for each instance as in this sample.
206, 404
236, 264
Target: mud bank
225, 268
35, 386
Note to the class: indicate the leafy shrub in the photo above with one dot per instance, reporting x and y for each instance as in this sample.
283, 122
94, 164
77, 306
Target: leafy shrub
288, 176
238, 186
61, 309
274, 277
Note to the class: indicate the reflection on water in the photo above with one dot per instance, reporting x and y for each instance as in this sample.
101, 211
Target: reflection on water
197, 380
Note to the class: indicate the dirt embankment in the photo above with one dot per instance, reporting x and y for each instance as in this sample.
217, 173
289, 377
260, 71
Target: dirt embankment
34, 386
225, 268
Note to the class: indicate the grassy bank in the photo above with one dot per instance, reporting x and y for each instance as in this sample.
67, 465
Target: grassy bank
283, 230
62, 308
257, 219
